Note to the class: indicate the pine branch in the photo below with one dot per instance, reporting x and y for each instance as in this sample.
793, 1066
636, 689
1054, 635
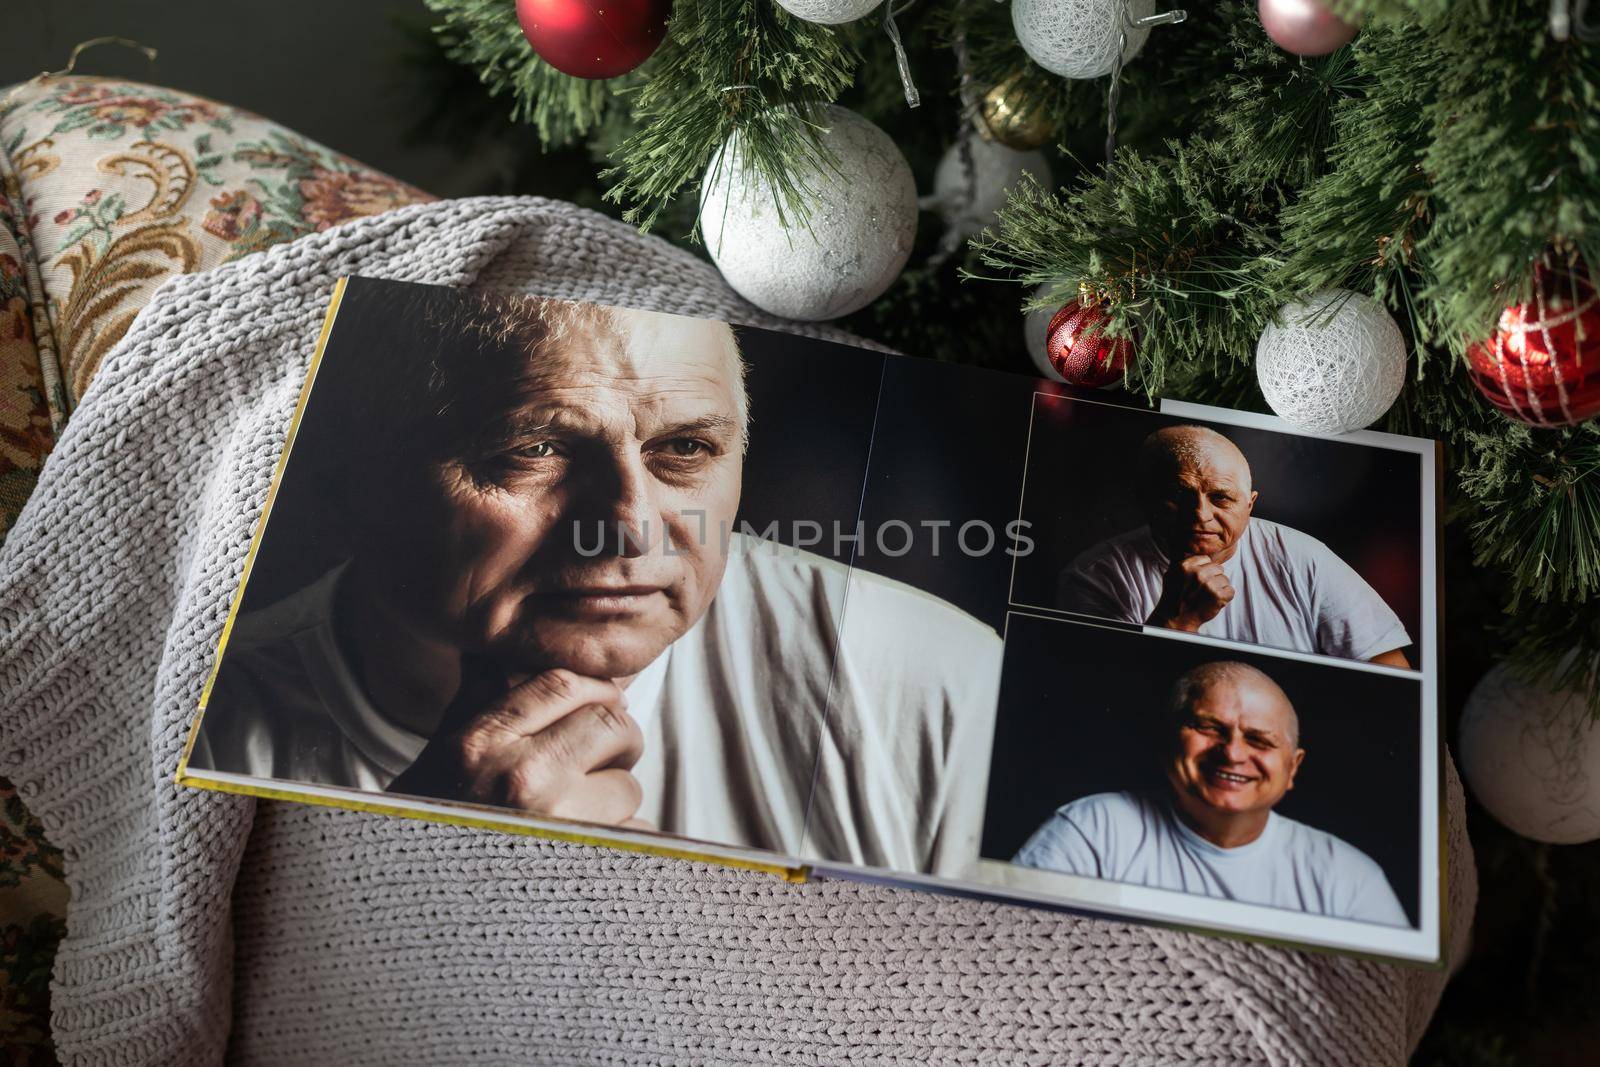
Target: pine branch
1180, 245
1557, 646
1358, 225
1408, 12
1273, 111
1515, 163
1157, 243
485, 35
1537, 509
726, 66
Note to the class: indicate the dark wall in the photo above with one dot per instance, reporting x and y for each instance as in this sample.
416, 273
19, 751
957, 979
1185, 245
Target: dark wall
1362, 502
1082, 712
334, 72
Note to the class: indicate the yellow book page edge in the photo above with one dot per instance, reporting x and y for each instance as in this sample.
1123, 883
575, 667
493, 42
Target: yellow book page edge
489, 822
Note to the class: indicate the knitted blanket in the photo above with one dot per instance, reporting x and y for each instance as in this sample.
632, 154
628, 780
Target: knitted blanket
205, 926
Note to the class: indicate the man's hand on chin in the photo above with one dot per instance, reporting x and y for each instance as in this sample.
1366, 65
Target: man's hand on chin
1193, 592
557, 745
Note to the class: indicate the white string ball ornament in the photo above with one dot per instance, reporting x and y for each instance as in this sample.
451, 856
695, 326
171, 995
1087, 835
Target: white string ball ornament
856, 237
1532, 758
1332, 363
1078, 38
829, 12
968, 200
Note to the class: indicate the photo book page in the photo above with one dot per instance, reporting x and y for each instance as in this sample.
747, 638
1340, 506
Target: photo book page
669, 584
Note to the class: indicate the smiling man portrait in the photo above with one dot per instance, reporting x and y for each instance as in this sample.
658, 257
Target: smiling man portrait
542, 603
1232, 751
1203, 563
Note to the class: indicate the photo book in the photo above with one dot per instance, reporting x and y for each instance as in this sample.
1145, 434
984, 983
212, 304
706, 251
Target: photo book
668, 584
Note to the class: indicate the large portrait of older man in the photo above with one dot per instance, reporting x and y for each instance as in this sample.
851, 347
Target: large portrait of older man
1203, 561
543, 601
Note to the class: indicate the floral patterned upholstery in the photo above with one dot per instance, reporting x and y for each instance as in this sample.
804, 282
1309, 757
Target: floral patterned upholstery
108, 188
27, 429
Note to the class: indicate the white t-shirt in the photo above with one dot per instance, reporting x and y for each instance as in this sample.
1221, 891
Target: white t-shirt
1137, 838
1290, 591
731, 712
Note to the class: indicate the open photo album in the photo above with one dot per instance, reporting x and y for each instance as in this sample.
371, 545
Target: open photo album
668, 584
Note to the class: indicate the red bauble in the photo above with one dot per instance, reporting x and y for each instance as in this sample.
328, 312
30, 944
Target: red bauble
1078, 348
1542, 365
594, 38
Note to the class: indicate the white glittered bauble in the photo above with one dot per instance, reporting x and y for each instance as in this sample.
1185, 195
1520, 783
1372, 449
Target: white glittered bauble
858, 234
968, 200
1034, 326
1332, 363
828, 12
1078, 38
1532, 758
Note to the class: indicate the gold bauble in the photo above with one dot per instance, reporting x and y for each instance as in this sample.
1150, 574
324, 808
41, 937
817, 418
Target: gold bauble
1014, 118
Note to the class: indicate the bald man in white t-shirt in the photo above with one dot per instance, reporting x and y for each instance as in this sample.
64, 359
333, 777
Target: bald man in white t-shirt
1204, 564
545, 610
1235, 752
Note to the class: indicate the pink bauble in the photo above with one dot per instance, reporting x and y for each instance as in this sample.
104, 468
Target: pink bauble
1304, 27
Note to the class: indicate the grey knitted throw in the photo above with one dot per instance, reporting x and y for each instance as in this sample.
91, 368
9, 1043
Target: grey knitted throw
204, 926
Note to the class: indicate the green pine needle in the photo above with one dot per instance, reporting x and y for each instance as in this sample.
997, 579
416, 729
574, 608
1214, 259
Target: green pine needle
1157, 242
726, 66
1514, 163
485, 35
1537, 511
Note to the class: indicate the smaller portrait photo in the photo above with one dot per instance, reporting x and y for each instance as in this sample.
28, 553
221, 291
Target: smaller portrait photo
1219, 524
1268, 791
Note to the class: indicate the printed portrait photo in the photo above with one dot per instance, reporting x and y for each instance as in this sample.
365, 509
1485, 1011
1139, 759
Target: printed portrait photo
1189, 766
1250, 535
586, 564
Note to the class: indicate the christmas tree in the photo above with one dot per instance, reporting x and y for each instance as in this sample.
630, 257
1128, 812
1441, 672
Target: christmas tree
1440, 158
1445, 162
